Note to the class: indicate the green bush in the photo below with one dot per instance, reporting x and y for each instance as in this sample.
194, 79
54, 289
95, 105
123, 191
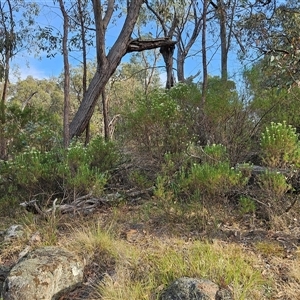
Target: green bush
102, 155
280, 147
246, 205
161, 121
59, 173
211, 154
212, 180
226, 120
214, 177
274, 185
31, 128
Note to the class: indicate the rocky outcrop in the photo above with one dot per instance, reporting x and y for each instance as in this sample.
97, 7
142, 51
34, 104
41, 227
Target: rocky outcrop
44, 273
13, 232
195, 289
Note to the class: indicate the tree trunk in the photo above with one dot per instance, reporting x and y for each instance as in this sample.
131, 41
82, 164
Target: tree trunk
84, 62
180, 66
9, 43
204, 55
106, 65
186, 41
105, 115
223, 36
167, 53
3, 142
201, 117
66, 75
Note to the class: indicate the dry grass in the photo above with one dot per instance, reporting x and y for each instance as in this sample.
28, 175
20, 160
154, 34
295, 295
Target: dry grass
137, 250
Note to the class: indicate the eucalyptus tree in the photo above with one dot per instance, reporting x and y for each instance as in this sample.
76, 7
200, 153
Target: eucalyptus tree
45, 94
204, 55
188, 30
273, 34
225, 12
269, 103
33, 114
16, 25
108, 62
165, 14
82, 39
181, 20
65, 50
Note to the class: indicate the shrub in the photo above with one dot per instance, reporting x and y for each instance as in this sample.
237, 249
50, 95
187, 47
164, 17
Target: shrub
31, 128
214, 177
212, 180
68, 173
280, 146
273, 184
211, 154
102, 155
246, 205
160, 122
226, 119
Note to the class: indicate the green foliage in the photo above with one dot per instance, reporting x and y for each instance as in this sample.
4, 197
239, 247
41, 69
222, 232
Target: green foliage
84, 168
211, 178
102, 155
61, 173
280, 146
30, 128
226, 119
158, 124
139, 179
271, 104
222, 98
274, 185
246, 205
167, 121
212, 154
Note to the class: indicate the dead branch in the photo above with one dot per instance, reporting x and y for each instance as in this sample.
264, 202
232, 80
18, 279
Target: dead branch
141, 45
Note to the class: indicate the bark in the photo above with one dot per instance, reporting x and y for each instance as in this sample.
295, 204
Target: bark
138, 45
105, 115
106, 65
180, 66
84, 62
3, 143
204, 55
167, 53
9, 43
226, 23
66, 74
223, 36
24, 104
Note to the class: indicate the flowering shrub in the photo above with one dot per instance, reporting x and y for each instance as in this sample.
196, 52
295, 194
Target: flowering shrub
280, 146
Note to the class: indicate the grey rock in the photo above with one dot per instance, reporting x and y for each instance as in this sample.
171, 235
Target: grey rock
14, 231
4, 271
43, 274
195, 289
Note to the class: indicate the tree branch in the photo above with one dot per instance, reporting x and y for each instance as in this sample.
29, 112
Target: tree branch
138, 45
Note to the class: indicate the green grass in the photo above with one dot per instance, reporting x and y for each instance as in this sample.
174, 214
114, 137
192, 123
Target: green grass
141, 271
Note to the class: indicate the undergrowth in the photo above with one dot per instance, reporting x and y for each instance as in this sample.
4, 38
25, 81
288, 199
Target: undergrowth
143, 271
